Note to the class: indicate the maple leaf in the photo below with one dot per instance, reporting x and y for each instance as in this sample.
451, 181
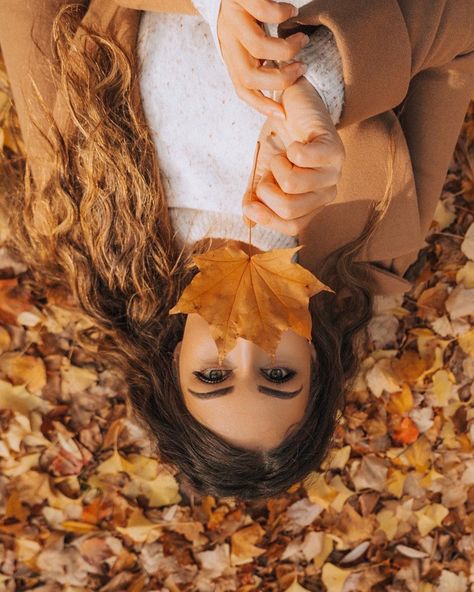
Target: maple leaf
256, 297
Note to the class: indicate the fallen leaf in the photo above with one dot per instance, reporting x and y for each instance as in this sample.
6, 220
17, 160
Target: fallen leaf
429, 517
215, 561
23, 369
460, 302
466, 341
405, 432
262, 296
410, 552
13, 301
19, 399
334, 577
243, 549
452, 582
295, 587
465, 275
140, 529
401, 402
467, 245
369, 473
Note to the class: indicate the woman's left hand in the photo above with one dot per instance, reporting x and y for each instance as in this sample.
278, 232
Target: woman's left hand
298, 166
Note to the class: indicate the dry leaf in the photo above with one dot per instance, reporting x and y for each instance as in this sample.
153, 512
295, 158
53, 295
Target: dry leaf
467, 245
254, 298
243, 544
27, 370
405, 432
334, 577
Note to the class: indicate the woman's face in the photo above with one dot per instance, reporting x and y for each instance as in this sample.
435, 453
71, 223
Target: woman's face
248, 401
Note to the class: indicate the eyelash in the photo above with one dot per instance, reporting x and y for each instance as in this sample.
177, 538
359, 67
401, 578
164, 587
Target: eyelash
204, 378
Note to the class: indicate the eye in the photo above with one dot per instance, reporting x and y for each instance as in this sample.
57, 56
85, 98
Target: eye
212, 375
278, 374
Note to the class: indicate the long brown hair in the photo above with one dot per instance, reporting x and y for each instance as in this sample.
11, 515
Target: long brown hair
99, 229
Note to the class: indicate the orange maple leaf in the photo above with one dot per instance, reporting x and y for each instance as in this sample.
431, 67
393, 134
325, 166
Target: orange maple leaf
256, 298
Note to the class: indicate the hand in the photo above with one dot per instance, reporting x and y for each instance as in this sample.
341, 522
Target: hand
298, 166
244, 45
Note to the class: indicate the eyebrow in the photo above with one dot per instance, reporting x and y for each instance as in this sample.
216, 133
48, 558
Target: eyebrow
266, 390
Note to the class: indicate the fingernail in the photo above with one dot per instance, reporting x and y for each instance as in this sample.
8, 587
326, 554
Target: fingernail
294, 11
304, 40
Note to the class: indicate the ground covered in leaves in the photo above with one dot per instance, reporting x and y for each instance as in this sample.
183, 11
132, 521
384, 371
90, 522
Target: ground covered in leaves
84, 506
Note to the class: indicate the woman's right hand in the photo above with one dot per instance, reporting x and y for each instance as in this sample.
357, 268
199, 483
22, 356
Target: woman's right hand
299, 164
244, 46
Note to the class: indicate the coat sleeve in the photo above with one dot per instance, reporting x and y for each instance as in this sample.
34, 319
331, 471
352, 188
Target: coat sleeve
385, 43
25, 32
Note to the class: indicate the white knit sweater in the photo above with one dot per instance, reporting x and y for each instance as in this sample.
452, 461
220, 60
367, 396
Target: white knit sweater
204, 133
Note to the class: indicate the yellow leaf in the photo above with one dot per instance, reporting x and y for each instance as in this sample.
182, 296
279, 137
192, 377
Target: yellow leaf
160, 491
466, 341
428, 479
243, 544
17, 398
419, 454
318, 491
343, 493
388, 522
147, 477
430, 517
441, 389
24, 369
401, 402
338, 458
334, 577
395, 482
467, 245
140, 529
328, 544
465, 275
256, 298
79, 527
295, 587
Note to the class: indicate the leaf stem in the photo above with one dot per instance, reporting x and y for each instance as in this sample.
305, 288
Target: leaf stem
251, 189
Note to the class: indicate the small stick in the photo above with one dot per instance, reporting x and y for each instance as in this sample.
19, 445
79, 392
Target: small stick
254, 169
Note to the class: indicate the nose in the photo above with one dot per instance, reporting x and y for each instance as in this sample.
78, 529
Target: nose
244, 355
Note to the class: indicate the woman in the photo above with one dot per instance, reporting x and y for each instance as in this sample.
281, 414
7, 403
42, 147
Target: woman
103, 229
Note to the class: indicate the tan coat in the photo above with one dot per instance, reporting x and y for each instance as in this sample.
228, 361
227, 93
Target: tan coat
416, 54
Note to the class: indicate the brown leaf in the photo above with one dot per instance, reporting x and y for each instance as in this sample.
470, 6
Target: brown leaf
256, 298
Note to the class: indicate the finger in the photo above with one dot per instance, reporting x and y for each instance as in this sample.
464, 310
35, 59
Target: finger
268, 11
238, 59
294, 179
322, 151
260, 102
249, 196
262, 77
263, 215
288, 206
260, 46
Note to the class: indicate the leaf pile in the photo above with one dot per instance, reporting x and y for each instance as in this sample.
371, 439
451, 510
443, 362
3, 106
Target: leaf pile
85, 506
